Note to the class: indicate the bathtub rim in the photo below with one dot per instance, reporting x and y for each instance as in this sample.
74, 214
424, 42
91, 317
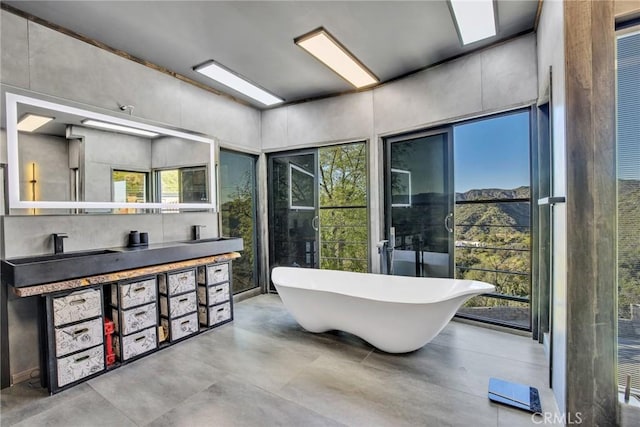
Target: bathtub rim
470, 292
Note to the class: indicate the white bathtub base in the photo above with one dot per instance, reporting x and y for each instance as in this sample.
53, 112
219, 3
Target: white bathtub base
400, 325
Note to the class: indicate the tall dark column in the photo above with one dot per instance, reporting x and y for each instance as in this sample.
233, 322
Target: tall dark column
591, 211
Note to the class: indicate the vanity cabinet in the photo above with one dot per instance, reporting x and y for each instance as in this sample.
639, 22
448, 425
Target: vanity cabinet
214, 294
134, 313
149, 308
178, 304
74, 337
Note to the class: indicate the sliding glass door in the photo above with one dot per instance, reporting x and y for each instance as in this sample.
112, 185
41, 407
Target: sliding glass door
293, 210
478, 228
318, 208
493, 215
419, 203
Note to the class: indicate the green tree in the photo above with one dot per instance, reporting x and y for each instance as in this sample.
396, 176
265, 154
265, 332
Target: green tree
343, 208
238, 220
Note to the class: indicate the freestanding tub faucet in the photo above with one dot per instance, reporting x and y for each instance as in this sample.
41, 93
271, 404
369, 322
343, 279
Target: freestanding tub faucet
195, 231
58, 245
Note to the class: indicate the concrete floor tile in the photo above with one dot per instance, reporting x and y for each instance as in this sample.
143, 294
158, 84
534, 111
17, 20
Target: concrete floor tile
87, 409
359, 395
490, 341
28, 399
236, 403
456, 369
258, 359
149, 387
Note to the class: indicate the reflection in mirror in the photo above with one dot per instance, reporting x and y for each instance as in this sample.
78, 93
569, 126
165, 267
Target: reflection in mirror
129, 187
62, 157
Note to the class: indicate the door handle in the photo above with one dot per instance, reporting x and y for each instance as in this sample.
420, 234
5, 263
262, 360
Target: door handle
315, 222
446, 222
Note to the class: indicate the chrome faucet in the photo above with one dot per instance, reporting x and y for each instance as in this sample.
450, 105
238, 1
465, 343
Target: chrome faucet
195, 231
58, 245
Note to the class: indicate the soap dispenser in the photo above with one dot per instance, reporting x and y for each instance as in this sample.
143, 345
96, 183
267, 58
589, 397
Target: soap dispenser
134, 239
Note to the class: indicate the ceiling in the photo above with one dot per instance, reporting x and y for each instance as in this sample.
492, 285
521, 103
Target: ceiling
255, 38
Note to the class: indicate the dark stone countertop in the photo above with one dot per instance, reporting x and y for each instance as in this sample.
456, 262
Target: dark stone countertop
37, 270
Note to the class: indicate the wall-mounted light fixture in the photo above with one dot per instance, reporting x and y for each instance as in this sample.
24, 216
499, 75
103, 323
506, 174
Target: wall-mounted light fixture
33, 181
328, 50
119, 128
223, 75
30, 122
475, 20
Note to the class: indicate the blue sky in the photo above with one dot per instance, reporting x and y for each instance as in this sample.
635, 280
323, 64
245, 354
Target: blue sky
492, 153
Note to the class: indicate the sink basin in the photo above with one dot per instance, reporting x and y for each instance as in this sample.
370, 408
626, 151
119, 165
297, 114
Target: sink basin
50, 268
55, 257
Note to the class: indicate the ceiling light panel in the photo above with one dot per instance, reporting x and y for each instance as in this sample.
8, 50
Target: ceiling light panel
224, 76
31, 122
334, 55
119, 128
475, 19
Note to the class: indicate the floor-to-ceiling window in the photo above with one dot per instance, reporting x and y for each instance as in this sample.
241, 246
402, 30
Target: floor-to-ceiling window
343, 207
628, 145
492, 215
458, 204
238, 213
318, 208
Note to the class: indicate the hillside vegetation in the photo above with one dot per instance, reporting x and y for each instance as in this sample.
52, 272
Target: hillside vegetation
628, 246
493, 240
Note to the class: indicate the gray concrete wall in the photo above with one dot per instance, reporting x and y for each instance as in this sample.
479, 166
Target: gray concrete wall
171, 152
551, 54
41, 60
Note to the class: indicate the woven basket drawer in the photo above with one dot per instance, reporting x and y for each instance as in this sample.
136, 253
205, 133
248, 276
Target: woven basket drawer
80, 365
209, 295
136, 319
210, 274
177, 283
77, 306
178, 305
133, 294
136, 344
181, 327
77, 337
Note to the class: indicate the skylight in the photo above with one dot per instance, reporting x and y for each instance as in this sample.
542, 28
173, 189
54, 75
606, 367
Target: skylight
222, 75
475, 19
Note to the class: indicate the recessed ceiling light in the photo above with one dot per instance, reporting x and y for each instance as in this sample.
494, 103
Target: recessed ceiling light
217, 72
119, 128
475, 19
31, 122
324, 47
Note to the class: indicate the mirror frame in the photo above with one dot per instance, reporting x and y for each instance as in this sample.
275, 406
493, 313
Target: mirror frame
13, 160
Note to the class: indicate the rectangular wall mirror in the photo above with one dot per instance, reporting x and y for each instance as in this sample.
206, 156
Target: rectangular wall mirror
62, 157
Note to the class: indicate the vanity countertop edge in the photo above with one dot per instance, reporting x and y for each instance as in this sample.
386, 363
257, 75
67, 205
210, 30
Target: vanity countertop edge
71, 284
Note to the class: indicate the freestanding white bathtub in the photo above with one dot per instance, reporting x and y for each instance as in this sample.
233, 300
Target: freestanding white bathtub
393, 313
